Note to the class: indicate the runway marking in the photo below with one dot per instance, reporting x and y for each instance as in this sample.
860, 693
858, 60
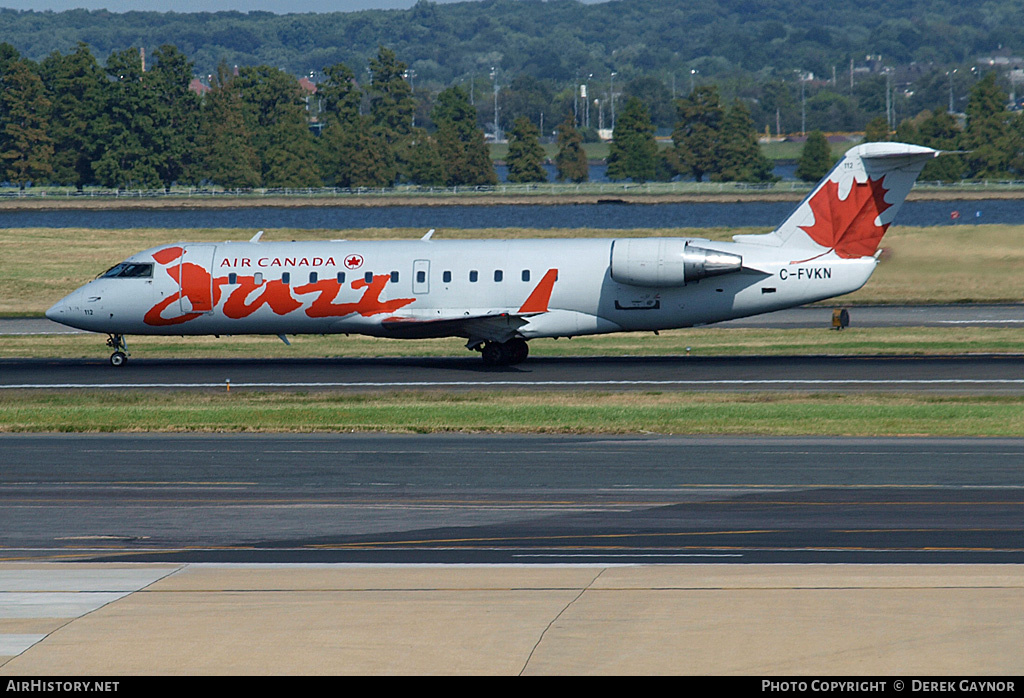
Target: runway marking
605, 556
525, 383
978, 322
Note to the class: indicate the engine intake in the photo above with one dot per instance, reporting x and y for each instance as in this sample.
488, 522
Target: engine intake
667, 262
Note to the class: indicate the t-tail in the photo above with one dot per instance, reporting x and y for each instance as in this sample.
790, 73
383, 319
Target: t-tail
848, 212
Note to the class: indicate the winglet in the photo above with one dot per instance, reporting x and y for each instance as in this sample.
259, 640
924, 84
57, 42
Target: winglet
256, 237
541, 296
430, 234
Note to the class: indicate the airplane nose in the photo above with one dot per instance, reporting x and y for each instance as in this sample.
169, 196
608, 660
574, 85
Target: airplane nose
57, 311
61, 310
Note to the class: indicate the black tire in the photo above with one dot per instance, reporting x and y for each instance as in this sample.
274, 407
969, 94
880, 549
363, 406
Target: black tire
518, 350
118, 359
494, 354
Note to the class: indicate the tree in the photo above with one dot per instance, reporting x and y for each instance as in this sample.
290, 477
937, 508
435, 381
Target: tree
877, 130
525, 155
695, 137
153, 120
460, 142
354, 151
26, 150
176, 116
275, 114
420, 159
652, 92
129, 157
739, 157
224, 142
77, 88
391, 103
571, 160
359, 155
941, 131
634, 152
815, 158
986, 136
340, 94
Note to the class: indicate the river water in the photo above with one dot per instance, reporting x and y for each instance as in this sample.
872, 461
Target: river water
601, 216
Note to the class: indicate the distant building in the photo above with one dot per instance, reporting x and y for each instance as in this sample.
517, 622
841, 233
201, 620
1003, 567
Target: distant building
198, 87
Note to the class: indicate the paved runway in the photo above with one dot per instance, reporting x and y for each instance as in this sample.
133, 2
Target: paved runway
509, 499
967, 374
578, 531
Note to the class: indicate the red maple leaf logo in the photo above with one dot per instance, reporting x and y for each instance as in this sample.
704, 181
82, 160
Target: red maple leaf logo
848, 226
353, 261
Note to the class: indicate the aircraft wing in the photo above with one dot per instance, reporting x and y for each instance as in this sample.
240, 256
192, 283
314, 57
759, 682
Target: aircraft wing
477, 326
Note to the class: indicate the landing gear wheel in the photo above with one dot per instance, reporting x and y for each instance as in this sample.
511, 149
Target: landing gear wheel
495, 354
518, 350
120, 355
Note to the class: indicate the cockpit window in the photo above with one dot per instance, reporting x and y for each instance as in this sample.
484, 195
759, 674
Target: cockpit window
129, 270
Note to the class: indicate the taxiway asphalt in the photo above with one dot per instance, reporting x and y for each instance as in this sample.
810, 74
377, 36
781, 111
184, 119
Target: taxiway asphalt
519, 499
979, 374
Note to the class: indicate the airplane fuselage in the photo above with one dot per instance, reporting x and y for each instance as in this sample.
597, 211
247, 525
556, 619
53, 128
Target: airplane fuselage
356, 287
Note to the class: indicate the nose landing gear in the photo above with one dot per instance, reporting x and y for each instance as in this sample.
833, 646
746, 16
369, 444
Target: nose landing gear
120, 347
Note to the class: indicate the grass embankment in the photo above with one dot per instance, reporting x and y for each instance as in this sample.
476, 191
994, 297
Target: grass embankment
583, 413
946, 264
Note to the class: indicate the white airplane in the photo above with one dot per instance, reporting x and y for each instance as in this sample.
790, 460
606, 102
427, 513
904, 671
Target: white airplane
499, 294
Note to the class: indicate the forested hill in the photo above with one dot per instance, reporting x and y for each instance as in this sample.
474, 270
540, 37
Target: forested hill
554, 39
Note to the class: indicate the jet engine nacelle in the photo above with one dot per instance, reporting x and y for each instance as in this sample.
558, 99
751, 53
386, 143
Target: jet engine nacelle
667, 262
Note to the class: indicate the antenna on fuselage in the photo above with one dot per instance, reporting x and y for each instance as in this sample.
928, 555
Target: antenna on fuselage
256, 237
429, 234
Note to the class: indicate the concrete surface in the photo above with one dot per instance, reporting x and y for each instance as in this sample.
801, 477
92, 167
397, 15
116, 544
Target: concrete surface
193, 619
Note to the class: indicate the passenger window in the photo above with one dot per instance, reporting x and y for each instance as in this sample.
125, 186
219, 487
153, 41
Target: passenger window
368, 277
394, 277
473, 276
341, 277
421, 277
446, 277
232, 279
526, 274
286, 278
498, 275
258, 278
312, 277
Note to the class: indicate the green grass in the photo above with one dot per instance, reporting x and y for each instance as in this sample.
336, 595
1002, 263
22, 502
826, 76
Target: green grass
707, 341
662, 413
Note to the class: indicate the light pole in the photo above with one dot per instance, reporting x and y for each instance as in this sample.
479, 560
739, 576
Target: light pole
803, 107
497, 129
576, 100
585, 97
888, 98
693, 74
410, 74
950, 74
613, 99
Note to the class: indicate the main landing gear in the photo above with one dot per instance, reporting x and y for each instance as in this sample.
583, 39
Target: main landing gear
120, 355
514, 351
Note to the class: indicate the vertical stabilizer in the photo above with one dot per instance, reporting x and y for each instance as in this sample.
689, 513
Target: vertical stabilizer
849, 211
